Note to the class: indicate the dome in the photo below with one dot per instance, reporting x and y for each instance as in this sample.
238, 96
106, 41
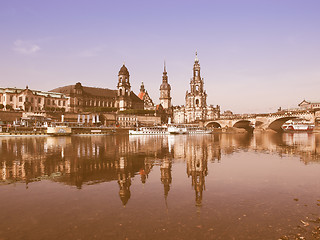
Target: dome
165, 86
124, 71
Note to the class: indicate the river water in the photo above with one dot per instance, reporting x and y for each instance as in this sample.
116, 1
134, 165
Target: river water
220, 186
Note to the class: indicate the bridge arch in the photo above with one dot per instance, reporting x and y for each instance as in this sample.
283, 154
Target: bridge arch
277, 124
245, 124
213, 125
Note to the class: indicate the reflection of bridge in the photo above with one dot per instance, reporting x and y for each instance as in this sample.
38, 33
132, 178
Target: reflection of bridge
272, 121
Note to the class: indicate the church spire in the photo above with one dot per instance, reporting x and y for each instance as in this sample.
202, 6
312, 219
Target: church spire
165, 99
196, 59
142, 89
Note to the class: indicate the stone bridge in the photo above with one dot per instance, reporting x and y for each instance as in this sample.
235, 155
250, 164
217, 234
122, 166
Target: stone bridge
272, 121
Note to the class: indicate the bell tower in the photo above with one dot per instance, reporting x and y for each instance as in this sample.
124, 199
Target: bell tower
197, 95
165, 88
123, 101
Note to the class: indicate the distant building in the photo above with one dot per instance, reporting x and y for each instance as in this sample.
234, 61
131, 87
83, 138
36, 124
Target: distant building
83, 98
196, 108
147, 101
307, 105
126, 99
165, 88
32, 100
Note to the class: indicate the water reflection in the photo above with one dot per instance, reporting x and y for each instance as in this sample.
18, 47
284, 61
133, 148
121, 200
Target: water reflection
89, 160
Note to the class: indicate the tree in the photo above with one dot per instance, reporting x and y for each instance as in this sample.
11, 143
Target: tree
9, 107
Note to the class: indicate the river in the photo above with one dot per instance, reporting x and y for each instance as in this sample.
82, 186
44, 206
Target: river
219, 186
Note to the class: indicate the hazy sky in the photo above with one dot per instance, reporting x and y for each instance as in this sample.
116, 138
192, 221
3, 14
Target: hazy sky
254, 55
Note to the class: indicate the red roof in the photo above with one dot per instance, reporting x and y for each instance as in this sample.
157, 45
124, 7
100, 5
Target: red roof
141, 95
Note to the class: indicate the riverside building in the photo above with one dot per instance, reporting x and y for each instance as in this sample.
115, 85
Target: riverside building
32, 100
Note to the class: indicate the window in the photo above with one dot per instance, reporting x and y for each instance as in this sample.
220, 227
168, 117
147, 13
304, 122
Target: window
64, 103
32, 99
39, 100
11, 98
48, 102
27, 99
20, 99
59, 102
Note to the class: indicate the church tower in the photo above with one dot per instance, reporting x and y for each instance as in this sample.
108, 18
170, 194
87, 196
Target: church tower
196, 99
165, 88
123, 101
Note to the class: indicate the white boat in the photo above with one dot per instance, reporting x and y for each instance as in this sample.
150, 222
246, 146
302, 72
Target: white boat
298, 126
157, 130
59, 130
197, 130
169, 129
177, 130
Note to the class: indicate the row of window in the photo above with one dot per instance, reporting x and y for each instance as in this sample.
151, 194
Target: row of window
96, 103
127, 119
38, 100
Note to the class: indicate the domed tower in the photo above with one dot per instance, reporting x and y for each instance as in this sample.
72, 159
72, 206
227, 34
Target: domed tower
123, 100
165, 88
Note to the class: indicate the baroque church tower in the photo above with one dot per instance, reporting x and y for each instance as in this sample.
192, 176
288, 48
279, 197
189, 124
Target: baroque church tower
196, 99
165, 88
123, 100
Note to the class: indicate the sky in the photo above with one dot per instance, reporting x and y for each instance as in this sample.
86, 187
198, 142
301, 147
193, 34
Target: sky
255, 55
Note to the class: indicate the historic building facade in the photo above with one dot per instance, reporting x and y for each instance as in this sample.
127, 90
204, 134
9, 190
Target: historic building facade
32, 100
165, 89
126, 99
82, 98
307, 105
144, 96
196, 108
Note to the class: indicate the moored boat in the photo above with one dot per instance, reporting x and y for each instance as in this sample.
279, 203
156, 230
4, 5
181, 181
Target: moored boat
198, 130
177, 130
157, 130
298, 126
59, 130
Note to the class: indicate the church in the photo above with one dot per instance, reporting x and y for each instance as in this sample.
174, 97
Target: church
196, 108
82, 98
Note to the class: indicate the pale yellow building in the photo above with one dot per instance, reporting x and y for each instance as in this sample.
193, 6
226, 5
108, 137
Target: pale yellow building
32, 100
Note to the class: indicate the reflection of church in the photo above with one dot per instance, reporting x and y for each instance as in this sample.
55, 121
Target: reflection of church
93, 160
124, 180
166, 177
197, 169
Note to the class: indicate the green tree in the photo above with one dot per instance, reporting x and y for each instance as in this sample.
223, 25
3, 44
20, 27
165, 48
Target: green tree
9, 107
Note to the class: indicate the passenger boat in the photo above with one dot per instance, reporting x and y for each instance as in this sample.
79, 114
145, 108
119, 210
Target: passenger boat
157, 130
177, 129
59, 130
198, 130
298, 126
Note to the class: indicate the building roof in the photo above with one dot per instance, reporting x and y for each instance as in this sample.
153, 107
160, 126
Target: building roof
101, 92
34, 92
165, 86
93, 91
124, 70
141, 95
135, 98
